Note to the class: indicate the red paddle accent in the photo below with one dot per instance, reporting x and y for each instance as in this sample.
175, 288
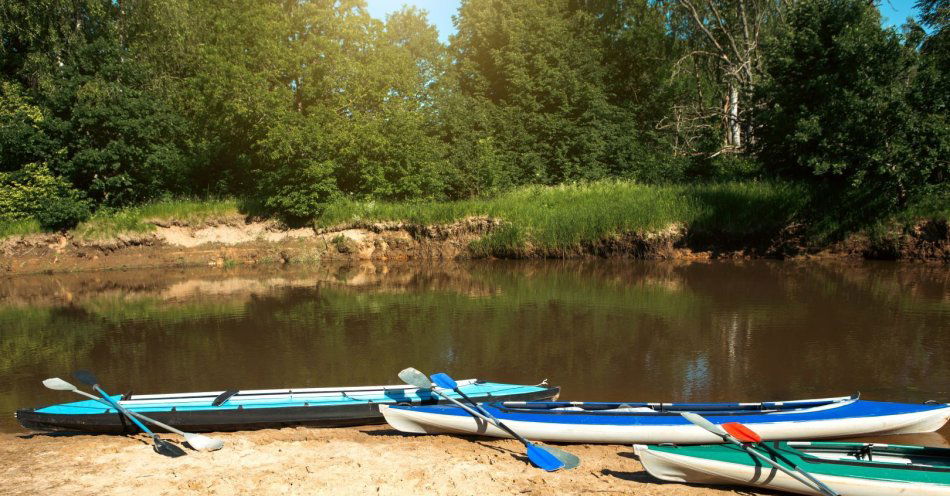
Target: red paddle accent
741, 432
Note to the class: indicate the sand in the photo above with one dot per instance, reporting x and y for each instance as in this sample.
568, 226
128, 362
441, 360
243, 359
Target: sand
299, 461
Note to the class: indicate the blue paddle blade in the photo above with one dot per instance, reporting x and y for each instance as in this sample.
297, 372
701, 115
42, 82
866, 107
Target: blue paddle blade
444, 381
543, 459
86, 377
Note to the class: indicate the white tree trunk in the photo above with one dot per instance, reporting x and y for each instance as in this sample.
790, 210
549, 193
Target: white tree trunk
734, 130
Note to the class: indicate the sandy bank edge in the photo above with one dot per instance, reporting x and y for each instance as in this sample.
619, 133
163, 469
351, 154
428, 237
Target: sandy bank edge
344, 461
239, 241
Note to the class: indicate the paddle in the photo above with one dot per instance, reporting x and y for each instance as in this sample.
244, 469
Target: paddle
728, 433
196, 441
747, 435
545, 457
162, 446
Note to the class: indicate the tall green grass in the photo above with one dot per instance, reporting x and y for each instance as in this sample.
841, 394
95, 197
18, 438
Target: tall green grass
19, 227
562, 217
109, 223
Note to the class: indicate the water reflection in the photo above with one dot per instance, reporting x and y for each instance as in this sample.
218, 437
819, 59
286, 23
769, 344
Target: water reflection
604, 330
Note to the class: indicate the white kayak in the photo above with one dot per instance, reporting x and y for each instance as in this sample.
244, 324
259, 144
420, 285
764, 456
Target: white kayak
649, 423
850, 469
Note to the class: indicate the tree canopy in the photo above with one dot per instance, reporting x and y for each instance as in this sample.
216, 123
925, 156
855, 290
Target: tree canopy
294, 105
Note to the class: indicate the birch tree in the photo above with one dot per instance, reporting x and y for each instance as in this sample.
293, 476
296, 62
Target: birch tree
729, 33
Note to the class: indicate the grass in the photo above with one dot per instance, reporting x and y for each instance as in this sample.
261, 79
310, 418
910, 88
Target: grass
560, 218
933, 206
19, 227
109, 223
106, 224
551, 219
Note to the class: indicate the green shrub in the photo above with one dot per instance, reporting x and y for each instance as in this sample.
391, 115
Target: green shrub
34, 192
725, 167
63, 212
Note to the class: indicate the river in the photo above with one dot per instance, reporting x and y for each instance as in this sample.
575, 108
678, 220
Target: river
604, 330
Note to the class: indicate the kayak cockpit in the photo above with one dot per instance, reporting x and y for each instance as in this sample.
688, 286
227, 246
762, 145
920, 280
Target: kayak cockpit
918, 457
777, 407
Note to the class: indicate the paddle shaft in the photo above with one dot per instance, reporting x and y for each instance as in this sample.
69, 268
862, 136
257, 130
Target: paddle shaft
821, 486
487, 418
809, 481
135, 414
486, 413
121, 409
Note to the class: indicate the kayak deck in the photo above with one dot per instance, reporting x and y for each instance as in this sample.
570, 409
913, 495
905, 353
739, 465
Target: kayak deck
252, 409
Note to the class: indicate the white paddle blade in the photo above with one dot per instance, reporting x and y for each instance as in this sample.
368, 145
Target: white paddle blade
415, 378
705, 424
203, 443
58, 384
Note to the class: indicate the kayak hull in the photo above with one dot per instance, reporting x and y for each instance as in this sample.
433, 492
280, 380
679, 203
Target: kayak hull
726, 464
851, 418
260, 409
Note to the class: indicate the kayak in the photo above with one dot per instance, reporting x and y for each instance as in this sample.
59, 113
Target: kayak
262, 408
852, 469
649, 423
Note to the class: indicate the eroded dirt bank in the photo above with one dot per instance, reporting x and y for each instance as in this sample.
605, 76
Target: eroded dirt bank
236, 241
349, 461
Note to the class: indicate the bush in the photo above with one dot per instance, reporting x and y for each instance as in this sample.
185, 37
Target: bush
34, 192
64, 212
726, 167
123, 144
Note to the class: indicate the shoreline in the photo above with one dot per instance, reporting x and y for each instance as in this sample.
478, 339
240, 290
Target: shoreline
347, 461
241, 242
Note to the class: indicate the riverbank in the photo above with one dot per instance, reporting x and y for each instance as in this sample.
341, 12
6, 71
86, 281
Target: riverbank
605, 219
347, 461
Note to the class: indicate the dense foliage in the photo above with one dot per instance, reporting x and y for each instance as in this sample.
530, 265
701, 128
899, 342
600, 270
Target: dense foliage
841, 104
297, 105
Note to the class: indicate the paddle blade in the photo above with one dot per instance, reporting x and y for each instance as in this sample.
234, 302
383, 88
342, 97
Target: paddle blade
544, 459
741, 432
444, 381
415, 378
705, 424
165, 448
568, 459
203, 443
58, 384
86, 377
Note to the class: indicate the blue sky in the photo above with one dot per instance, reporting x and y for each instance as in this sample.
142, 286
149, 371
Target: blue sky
441, 11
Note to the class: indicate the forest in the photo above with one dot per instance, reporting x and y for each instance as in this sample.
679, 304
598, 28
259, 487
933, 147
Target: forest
296, 107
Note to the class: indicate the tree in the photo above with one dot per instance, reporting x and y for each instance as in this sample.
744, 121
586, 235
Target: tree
834, 104
536, 67
23, 139
361, 119
728, 34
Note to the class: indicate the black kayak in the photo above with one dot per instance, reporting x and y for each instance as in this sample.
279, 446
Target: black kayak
262, 408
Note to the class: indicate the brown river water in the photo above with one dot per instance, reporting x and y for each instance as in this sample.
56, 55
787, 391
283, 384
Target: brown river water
603, 330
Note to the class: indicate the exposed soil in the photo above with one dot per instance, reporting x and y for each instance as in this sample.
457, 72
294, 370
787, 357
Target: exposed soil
349, 461
237, 241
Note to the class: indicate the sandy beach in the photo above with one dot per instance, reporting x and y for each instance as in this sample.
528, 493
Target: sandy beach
292, 461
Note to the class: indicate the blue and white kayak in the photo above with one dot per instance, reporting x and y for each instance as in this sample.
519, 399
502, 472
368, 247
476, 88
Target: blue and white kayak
261, 408
655, 423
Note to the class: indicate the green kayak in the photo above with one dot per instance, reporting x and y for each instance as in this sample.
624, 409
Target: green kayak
852, 469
